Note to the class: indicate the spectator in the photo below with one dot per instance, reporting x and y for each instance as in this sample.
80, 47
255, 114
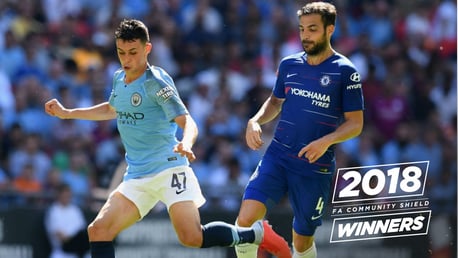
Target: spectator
27, 185
444, 28
66, 226
4, 180
227, 184
362, 149
11, 140
444, 96
30, 152
109, 153
56, 11
7, 100
368, 60
12, 54
36, 59
30, 92
202, 22
427, 146
388, 109
200, 105
52, 182
394, 150
26, 181
379, 26
79, 176
25, 20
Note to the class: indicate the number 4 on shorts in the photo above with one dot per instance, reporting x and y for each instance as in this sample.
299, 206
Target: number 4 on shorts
319, 209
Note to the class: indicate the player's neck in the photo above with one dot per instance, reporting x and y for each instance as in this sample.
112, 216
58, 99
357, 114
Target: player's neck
319, 58
133, 75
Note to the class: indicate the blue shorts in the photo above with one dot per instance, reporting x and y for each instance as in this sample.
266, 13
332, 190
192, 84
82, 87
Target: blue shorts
308, 195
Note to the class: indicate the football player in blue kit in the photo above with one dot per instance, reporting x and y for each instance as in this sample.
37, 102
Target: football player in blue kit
148, 110
319, 101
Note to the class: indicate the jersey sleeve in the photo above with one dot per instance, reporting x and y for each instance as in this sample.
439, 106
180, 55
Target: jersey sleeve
115, 78
162, 89
352, 92
279, 87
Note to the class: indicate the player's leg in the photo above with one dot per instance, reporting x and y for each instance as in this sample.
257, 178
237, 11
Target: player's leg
250, 211
127, 204
183, 197
305, 243
266, 187
108, 223
186, 222
308, 197
185, 219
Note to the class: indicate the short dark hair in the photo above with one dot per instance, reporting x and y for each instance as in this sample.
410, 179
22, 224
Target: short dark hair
327, 11
131, 29
63, 187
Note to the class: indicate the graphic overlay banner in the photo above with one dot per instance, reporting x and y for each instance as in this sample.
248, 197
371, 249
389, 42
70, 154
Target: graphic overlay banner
381, 201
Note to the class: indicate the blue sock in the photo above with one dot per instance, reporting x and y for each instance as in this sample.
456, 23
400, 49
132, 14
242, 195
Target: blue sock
102, 249
223, 234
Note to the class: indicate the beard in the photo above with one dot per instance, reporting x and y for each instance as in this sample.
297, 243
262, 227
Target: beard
314, 48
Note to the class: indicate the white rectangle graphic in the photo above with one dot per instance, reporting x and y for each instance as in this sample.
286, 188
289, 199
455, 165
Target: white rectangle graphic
380, 182
380, 226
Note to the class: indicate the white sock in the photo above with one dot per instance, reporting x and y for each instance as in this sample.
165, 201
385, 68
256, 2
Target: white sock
246, 250
309, 253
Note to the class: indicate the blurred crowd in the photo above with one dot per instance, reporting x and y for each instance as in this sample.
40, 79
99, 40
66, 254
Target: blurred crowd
223, 57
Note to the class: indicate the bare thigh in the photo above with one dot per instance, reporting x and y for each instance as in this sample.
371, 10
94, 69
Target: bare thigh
185, 219
117, 214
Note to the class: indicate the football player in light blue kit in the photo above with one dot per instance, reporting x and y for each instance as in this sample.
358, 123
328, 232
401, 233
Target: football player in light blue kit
318, 98
148, 110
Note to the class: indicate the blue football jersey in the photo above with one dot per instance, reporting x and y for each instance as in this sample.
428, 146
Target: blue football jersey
316, 97
146, 109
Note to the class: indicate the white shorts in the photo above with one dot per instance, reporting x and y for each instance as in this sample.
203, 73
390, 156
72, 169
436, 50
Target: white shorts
169, 186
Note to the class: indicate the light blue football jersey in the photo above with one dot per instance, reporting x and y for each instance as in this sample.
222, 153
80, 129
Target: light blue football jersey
146, 109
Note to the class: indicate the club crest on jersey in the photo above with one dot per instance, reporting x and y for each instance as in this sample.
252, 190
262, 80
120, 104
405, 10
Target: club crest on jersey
136, 99
325, 80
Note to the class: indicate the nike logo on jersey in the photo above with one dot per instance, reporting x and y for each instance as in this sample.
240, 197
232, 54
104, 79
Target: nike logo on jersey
316, 217
290, 75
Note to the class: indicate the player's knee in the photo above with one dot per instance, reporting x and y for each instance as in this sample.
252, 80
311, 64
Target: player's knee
97, 232
93, 231
250, 212
245, 221
190, 239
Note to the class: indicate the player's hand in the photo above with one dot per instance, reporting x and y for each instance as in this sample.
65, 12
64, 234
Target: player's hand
314, 150
185, 151
253, 135
54, 108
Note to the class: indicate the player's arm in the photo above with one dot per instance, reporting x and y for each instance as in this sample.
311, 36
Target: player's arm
351, 127
268, 111
190, 132
102, 111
